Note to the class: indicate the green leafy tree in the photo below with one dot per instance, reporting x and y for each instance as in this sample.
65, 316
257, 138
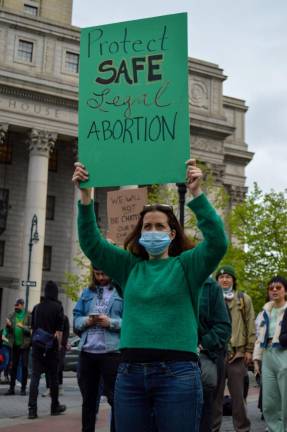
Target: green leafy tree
74, 282
258, 249
216, 193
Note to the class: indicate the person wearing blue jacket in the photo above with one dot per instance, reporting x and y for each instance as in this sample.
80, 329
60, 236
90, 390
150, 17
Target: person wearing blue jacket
98, 318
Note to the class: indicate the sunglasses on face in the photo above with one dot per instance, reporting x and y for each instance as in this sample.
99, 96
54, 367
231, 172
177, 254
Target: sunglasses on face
275, 287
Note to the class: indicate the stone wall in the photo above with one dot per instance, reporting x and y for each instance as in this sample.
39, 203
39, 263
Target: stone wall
52, 10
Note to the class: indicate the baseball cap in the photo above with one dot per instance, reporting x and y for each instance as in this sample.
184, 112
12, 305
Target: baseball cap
19, 301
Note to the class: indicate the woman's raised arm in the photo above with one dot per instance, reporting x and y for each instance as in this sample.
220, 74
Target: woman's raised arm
114, 261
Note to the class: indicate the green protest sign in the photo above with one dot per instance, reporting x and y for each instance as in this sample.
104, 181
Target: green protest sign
133, 109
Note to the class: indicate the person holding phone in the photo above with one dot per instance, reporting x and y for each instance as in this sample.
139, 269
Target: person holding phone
97, 318
160, 274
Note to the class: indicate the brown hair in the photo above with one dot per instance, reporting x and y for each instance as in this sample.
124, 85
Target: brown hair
179, 244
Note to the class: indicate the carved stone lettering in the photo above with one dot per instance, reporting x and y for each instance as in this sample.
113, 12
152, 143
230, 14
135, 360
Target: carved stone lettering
33, 108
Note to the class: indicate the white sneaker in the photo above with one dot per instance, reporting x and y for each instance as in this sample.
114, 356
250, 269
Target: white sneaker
46, 393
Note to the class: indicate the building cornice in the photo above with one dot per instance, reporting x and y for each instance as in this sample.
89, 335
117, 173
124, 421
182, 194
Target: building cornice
39, 97
206, 69
237, 155
49, 86
238, 104
210, 127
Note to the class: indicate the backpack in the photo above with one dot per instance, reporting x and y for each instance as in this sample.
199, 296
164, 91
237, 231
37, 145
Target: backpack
43, 339
242, 308
241, 304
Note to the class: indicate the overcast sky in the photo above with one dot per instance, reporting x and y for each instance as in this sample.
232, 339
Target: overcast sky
248, 40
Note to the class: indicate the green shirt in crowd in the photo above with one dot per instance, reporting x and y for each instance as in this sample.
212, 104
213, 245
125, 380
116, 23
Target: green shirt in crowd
161, 296
18, 331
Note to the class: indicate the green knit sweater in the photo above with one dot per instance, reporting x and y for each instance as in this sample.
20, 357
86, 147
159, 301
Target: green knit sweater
161, 296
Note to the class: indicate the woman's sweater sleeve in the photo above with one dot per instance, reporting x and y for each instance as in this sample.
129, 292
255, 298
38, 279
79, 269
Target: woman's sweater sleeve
201, 261
112, 260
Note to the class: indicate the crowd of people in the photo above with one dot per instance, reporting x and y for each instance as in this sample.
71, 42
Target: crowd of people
159, 337
46, 330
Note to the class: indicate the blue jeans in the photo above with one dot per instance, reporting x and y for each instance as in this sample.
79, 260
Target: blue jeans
168, 394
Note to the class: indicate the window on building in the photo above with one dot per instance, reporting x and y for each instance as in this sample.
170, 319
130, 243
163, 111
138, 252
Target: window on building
47, 258
72, 62
6, 151
2, 251
53, 161
50, 210
25, 51
4, 200
31, 10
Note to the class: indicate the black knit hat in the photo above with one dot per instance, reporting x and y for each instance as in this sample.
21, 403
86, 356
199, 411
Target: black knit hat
51, 290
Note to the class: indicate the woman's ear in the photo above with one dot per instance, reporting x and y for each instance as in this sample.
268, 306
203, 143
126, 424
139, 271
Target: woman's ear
173, 234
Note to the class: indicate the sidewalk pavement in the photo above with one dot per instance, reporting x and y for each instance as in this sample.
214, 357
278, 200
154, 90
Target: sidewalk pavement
13, 412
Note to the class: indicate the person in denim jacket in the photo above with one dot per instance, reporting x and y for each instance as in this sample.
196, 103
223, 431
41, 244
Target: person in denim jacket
98, 318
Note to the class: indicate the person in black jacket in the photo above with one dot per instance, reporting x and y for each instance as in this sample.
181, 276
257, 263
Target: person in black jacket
62, 355
48, 316
283, 334
213, 334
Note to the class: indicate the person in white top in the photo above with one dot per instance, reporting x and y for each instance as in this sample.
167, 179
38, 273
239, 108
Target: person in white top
273, 356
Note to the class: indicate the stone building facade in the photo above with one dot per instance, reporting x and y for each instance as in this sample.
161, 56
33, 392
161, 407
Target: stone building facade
39, 61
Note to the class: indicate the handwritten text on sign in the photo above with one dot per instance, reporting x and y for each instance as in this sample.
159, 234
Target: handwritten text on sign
133, 111
124, 207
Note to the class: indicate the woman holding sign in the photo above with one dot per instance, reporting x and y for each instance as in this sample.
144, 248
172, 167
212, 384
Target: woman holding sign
160, 273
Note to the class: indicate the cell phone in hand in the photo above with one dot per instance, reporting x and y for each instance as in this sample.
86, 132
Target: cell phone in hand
94, 314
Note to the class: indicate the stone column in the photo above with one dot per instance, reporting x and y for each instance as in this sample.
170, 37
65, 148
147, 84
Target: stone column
3, 132
75, 248
40, 145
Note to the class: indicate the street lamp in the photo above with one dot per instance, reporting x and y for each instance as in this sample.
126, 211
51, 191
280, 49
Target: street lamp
181, 188
34, 237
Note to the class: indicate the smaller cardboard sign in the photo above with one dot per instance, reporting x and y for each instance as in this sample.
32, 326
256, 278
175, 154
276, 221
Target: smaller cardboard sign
124, 207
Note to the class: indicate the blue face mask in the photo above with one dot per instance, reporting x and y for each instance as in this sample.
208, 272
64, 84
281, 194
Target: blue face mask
155, 242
